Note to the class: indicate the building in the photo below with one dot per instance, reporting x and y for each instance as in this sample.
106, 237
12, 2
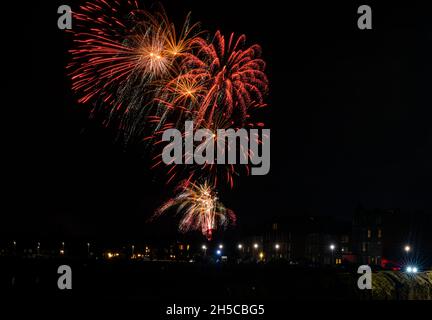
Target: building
367, 235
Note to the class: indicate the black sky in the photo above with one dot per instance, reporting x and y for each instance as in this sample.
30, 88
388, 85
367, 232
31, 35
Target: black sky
350, 114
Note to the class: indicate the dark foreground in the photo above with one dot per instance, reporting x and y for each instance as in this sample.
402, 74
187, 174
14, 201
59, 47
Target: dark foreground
183, 281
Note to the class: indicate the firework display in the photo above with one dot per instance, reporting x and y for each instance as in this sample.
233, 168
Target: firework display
145, 76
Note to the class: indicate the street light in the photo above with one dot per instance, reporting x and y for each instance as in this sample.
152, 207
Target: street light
221, 246
204, 247
407, 248
277, 246
332, 248
218, 252
240, 246
255, 245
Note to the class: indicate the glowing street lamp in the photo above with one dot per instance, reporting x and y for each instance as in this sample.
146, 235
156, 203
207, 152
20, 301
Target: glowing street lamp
407, 248
255, 245
332, 248
277, 246
204, 247
218, 252
240, 246
221, 246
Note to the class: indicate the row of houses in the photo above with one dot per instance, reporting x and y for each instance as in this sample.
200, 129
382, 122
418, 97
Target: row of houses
374, 237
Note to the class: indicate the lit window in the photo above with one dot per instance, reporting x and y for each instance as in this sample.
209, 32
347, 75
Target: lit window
364, 246
369, 234
275, 226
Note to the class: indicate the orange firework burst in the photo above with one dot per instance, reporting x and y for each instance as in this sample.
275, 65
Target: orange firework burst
121, 52
200, 209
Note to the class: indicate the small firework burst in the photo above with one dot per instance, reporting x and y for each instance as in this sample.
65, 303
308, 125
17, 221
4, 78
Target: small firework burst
200, 209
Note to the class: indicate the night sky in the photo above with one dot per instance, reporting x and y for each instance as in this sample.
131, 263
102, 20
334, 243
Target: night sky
350, 114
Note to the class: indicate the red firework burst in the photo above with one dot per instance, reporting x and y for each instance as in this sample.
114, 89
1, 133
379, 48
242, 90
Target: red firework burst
221, 86
233, 74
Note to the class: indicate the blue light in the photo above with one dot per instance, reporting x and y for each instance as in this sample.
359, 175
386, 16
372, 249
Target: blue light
218, 252
411, 269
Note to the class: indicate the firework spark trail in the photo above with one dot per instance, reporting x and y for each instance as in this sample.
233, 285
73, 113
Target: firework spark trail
200, 209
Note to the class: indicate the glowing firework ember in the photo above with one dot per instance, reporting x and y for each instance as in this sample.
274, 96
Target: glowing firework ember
200, 209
